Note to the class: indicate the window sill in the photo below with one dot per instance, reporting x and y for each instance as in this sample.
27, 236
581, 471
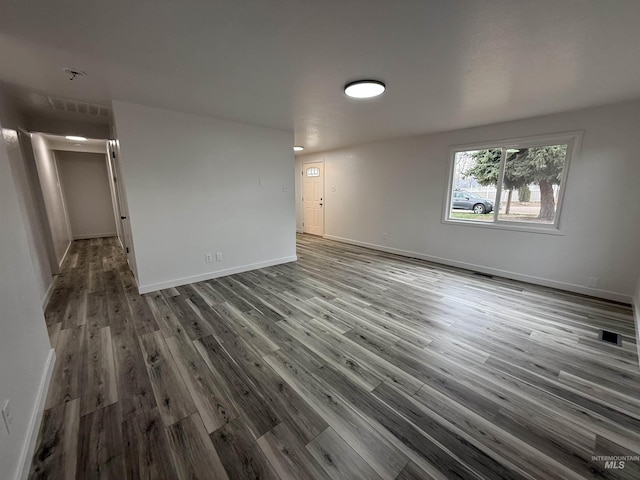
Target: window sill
514, 226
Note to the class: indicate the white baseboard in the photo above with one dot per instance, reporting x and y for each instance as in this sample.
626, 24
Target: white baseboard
208, 276
36, 418
95, 235
47, 295
545, 282
64, 257
636, 315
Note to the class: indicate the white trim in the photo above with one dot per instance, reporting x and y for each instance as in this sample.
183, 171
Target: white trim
112, 187
36, 419
95, 235
64, 257
47, 295
208, 276
545, 282
636, 315
133, 275
67, 221
529, 141
513, 226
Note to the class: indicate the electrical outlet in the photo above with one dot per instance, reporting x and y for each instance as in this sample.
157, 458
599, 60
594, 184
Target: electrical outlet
261, 182
7, 416
284, 188
208, 257
333, 188
592, 282
384, 236
219, 257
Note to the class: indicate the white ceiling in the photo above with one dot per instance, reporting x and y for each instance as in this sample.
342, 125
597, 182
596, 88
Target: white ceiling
283, 63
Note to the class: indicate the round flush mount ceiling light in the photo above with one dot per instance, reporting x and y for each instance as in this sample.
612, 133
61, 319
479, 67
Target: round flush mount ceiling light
298, 148
364, 88
74, 138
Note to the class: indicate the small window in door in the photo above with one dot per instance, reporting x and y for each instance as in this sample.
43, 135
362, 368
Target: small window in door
313, 172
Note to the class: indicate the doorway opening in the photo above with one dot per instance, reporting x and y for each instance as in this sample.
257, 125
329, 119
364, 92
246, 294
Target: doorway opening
86, 190
76, 183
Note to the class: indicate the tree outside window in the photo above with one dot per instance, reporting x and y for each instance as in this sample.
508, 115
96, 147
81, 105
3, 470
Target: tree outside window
515, 182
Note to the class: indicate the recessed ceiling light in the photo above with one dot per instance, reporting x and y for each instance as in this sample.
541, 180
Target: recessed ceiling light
364, 88
77, 144
75, 139
298, 148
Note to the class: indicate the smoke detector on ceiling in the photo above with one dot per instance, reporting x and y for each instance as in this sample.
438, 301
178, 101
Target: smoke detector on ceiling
74, 72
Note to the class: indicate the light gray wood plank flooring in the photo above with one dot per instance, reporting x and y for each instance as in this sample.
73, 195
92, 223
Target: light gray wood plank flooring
350, 363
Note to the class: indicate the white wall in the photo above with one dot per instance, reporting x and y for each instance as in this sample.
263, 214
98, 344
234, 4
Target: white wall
24, 344
85, 184
397, 187
52, 194
22, 162
196, 185
120, 194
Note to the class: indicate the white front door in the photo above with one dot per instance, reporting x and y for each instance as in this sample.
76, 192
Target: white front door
313, 197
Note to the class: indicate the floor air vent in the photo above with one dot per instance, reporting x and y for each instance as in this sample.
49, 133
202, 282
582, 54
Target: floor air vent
610, 337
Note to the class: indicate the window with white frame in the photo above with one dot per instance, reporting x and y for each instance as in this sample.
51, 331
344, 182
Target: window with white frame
516, 183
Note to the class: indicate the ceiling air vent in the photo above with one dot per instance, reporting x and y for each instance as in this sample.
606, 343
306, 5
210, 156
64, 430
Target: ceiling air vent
78, 107
610, 337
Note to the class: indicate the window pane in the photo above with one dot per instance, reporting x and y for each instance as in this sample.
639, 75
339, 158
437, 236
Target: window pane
531, 183
313, 172
473, 193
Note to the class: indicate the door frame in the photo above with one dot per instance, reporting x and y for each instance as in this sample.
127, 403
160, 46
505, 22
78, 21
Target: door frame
123, 206
116, 195
324, 196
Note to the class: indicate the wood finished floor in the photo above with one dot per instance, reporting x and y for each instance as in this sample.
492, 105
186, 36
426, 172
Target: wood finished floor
349, 364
